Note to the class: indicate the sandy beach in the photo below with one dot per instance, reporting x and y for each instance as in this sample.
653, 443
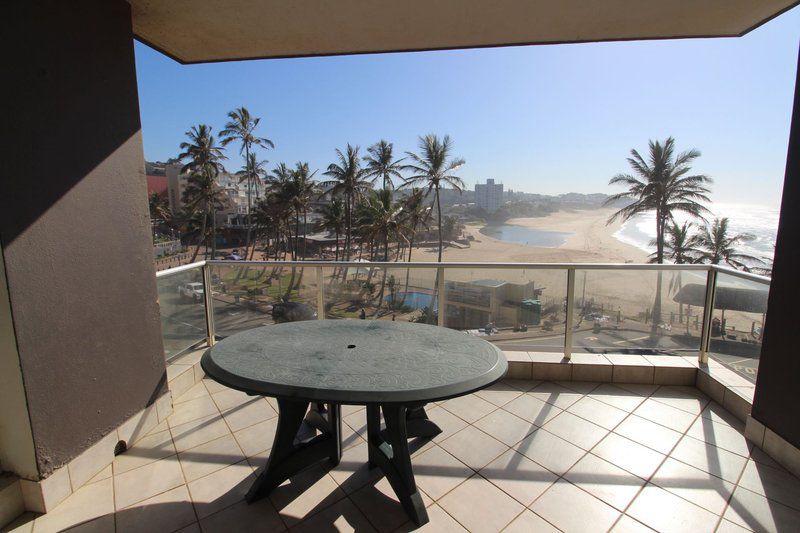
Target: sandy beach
592, 241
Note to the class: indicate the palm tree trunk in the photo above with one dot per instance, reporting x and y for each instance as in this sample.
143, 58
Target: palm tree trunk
305, 225
213, 231
249, 189
439, 221
337, 244
200, 240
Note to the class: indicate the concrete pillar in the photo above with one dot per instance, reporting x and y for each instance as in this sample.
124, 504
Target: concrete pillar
76, 243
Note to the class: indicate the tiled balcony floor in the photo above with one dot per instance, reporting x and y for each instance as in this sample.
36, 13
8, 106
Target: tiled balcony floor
522, 456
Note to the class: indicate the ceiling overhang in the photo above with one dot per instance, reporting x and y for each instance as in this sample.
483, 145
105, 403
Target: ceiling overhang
197, 31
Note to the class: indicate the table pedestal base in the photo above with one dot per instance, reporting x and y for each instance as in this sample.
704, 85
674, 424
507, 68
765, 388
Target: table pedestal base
289, 457
388, 450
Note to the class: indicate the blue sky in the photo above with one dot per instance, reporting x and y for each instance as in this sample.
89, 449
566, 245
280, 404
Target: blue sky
546, 119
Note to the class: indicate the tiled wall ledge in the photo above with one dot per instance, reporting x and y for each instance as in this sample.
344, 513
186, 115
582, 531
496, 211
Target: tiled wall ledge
43, 495
11, 503
721, 384
726, 387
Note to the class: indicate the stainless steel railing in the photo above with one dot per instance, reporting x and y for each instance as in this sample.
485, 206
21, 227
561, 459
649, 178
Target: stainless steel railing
202, 270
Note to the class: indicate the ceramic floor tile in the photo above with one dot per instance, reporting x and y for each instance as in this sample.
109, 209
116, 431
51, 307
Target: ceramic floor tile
440, 522
665, 512
197, 391
198, 432
147, 450
576, 430
342, 516
88, 503
449, 423
529, 521
192, 410
379, 503
221, 489
147, 481
709, 458
597, 412
757, 513
716, 413
305, 494
258, 437
617, 397
603, 480
626, 524
469, 408
248, 414
518, 476
555, 394
437, 472
353, 472
480, 506
168, 511
650, 434
242, 516
573, 510
701, 488
666, 415
688, 399
230, 398
776, 484
505, 427
550, 451
473, 447
720, 435
210, 457
532, 410
523, 385
628, 455
499, 394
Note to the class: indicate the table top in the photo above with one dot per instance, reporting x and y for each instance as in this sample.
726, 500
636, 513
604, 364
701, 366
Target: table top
355, 362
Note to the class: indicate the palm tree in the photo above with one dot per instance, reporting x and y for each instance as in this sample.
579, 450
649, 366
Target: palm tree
679, 248
252, 172
204, 165
435, 169
279, 192
348, 181
301, 191
382, 165
241, 127
416, 215
203, 197
661, 185
380, 219
333, 220
201, 151
717, 245
679, 244
159, 208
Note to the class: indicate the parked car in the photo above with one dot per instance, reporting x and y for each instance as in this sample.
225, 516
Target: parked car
292, 312
191, 291
234, 257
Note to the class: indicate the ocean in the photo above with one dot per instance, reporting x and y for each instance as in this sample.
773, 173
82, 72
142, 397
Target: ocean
759, 221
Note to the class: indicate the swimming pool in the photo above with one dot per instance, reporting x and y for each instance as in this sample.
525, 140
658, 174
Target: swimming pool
415, 300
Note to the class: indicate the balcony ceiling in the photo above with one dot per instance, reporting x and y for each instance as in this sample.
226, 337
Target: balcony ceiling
194, 31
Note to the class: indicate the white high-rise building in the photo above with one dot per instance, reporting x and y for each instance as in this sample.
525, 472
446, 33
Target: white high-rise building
489, 195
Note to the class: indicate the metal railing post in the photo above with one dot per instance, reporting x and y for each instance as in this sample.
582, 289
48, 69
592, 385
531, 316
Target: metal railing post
440, 291
570, 311
708, 312
320, 294
208, 305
